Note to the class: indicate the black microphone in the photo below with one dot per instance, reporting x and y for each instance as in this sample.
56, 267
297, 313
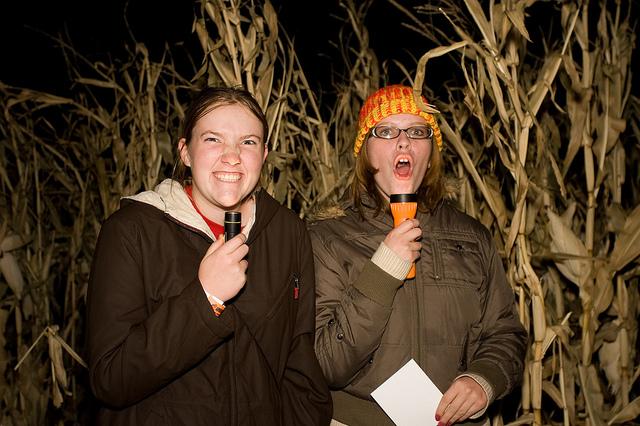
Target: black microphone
231, 225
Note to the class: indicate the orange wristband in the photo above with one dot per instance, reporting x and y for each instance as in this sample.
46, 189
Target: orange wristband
217, 309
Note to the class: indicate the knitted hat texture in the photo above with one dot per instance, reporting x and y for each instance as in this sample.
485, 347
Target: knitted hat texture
394, 99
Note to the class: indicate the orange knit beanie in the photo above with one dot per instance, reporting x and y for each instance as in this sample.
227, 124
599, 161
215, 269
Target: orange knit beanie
394, 99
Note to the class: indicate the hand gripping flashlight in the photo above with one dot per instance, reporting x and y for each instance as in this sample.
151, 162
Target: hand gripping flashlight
231, 225
403, 207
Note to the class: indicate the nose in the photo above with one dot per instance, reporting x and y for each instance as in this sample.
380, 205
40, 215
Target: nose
403, 140
231, 154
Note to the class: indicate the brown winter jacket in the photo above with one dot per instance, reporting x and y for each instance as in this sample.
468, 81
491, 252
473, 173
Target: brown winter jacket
456, 317
158, 355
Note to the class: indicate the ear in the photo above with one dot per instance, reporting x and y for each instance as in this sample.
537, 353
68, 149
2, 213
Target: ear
266, 152
183, 149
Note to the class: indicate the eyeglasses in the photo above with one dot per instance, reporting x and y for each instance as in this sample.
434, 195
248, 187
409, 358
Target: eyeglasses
392, 132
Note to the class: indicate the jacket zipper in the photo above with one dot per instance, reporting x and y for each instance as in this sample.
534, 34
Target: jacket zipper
413, 288
234, 385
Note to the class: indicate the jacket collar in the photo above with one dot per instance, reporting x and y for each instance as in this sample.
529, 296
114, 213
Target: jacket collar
265, 209
170, 197
383, 219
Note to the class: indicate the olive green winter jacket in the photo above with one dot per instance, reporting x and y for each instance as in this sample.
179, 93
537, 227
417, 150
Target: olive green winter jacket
456, 317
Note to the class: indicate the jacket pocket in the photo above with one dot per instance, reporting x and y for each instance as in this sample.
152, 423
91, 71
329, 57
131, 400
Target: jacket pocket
458, 262
288, 298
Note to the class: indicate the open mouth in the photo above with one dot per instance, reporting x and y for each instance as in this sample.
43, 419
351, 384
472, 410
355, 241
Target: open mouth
402, 167
227, 177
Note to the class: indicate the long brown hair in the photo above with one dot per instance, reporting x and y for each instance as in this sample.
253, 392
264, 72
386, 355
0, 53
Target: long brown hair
431, 192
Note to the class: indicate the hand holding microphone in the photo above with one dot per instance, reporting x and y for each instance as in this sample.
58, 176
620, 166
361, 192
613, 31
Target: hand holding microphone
223, 268
406, 229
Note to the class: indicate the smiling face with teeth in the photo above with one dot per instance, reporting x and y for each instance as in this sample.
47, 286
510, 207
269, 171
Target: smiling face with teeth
401, 163
226, 153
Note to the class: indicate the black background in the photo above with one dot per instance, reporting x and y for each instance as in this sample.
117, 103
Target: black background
100, 30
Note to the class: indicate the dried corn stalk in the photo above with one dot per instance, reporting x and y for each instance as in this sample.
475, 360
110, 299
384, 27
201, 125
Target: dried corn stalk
551, 212
541, 148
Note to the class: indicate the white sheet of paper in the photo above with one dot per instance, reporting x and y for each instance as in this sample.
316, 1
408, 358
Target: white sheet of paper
409, 397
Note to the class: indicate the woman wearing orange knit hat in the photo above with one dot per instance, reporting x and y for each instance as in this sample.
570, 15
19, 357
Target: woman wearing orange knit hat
455, 317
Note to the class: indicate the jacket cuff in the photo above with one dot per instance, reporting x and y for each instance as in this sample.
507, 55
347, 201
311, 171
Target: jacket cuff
491, 373
486, 387
221, 326
377, 285
387, 260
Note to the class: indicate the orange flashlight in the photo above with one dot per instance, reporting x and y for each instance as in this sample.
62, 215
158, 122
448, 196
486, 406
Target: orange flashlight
403, 207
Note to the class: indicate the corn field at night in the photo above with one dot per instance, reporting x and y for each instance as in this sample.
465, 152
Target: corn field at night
541, 126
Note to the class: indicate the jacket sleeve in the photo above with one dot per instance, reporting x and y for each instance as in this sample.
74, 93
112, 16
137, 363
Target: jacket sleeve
134, 350
350, 316
306, 397
499, 356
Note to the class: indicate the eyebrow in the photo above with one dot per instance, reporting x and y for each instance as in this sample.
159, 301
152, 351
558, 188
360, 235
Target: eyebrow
205, 132
220, 134
251, 135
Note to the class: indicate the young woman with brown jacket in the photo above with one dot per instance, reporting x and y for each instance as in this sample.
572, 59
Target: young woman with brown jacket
186, 328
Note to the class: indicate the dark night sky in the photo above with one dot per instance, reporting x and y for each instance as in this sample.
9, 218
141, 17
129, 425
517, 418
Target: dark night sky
98, 30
